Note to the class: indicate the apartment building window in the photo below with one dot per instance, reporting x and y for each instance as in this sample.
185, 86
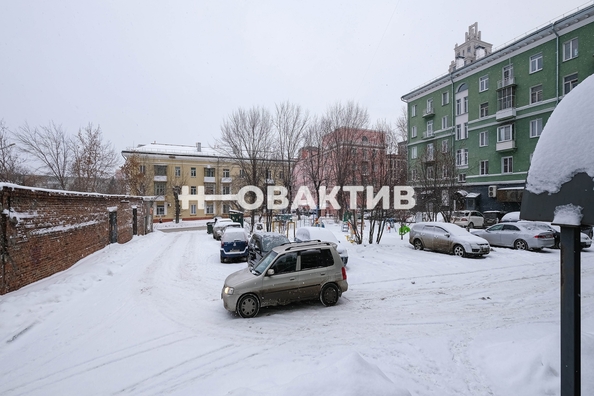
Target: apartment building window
193, 190
484, 110
507, 165
462, 131
536, 63
458, 106
484, 139
429, 128
160, 209
226, 208
535, 127
209, 172
192, 172
430, 105
444, 122
484, 167
209, 208
413, 131
226, 173
462, 177
209, 188
536, 94
505, 133
226, 190
413, 152
570, 49
241, 173
465, 103
413, 174
462, 157
364, 154
570, 83
193, 209
445, 173
483, 83
445, 98
160, 188
444, 146
430, 173
142, 169
506, 98
160, 170
177, 171
508, 74
430, 152
413, 110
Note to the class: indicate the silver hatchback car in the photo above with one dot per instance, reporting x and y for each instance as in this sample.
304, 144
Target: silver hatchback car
447, 238
288, 273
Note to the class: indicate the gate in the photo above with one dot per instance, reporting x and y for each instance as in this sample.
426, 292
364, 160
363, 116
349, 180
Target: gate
113, 227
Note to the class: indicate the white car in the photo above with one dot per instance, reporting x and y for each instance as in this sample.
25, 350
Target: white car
468, 219
304, 234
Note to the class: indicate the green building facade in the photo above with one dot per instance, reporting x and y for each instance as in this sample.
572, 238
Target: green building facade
488, 112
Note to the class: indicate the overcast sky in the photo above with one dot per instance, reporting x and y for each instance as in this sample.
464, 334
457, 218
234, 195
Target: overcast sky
172, 71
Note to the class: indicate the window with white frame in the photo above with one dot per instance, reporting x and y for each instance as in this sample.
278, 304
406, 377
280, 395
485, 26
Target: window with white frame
413, 174
193, 209
505, 133
507, 165
458, 106
226, 189
193, 190
444, 122
484, 167
484, 110
484, 139
192, 172
461, 177
210, 188
462, 157
570, 49
142, 169
161, 209
413, 152
209, 172
535, 127
459, 132
413, 131
226, 208
536, 63
445, 172
209, 208
242, 173
465, 105
429, 128
445, 98
226, 173
430, 173
413, 110
160, 188
178, 171
429, 105
444, 146
483, 83
536, 94
569, 83
462, 131
430, 152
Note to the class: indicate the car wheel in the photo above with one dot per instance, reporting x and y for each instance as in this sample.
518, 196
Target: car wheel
459, 251
418, 244
329, 295
248, 306
520, 244
470, 225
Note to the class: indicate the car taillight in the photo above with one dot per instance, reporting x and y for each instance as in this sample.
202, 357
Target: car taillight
344, 274
222, 244
543, 236
463, 219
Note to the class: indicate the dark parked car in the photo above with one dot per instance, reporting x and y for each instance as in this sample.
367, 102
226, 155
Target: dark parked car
234, 245
492, 217
263, 242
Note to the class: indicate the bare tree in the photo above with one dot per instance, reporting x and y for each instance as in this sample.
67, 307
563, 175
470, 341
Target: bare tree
50, 145
11, 163
402, 126
137, 175
93, 160
247, 136
290, 122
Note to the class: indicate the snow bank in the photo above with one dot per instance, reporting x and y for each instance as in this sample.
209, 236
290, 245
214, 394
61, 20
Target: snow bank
565, 147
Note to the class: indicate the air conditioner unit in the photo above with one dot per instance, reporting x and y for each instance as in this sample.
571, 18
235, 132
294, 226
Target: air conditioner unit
492, 192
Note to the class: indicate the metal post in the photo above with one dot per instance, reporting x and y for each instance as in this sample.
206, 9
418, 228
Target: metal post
570, 312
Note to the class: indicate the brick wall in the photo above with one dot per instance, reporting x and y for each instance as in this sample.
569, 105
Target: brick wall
46, 231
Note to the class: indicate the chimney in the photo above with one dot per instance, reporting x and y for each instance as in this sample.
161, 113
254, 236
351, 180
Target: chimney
459, 62
199, 147
480, 52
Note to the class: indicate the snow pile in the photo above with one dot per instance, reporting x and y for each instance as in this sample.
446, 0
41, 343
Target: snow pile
568, 215
565, 147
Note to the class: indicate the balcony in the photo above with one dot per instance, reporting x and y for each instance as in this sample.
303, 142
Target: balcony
226, 179
160, 178
505, 114
506, 82
428, 134
210, 179
506, 145
429, 112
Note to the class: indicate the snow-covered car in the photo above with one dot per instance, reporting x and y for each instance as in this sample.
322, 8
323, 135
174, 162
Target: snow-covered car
219, 230
263, 242
218, 224
447, 238
304, 234
468, 219
521, 235
510, 217
234, 245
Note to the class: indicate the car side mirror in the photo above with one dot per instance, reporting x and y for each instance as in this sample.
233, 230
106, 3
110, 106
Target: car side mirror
447, 235
270, 272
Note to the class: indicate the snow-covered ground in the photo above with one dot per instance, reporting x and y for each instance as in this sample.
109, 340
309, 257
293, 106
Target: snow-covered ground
146, 318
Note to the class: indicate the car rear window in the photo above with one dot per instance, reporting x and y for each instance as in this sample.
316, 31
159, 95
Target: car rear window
316, 258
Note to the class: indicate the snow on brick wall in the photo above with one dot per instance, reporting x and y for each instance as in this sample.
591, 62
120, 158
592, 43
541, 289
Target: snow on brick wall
46, 231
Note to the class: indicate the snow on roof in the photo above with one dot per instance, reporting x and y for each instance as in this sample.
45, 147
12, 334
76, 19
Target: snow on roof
162, 148
566, 145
